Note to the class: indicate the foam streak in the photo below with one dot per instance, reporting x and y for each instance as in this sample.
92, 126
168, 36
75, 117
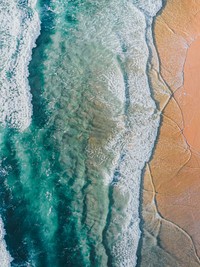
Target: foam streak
19, 27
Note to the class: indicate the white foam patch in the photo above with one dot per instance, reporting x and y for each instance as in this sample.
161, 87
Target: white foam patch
19, 28
148, 7
5, 258
139, 144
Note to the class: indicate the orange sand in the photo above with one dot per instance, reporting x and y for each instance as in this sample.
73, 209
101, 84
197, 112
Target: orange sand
189, 96
172, 181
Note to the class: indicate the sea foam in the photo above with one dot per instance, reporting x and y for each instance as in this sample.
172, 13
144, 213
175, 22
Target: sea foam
19, 27
143, 121
5, 258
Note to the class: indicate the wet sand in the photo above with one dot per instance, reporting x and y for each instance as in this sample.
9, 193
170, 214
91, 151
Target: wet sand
171, 194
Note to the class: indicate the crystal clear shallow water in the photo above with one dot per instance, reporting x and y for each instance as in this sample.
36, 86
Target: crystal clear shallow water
70, 181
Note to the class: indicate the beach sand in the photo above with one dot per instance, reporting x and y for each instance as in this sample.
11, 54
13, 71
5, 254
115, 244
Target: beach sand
171, 191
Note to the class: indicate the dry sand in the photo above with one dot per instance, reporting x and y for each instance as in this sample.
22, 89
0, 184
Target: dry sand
171, 194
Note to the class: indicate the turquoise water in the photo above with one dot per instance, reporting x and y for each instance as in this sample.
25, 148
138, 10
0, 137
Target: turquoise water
69, 192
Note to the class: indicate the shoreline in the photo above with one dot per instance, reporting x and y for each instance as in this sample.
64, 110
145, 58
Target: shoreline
168, 181
153, 66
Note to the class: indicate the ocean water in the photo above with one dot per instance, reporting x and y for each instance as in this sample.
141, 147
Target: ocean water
78, 123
